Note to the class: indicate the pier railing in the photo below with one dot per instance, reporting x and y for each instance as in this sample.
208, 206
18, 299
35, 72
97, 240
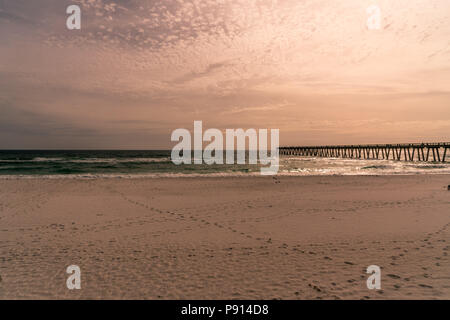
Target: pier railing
406, 151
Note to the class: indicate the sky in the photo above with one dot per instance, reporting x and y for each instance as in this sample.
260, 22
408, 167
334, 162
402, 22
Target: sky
138, 70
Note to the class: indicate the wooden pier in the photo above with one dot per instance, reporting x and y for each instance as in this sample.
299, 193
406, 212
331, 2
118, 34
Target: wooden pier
400, 152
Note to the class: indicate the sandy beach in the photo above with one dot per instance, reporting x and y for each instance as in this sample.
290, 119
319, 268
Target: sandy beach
222, 238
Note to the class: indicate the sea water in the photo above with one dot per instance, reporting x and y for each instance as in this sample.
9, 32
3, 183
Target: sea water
155, 163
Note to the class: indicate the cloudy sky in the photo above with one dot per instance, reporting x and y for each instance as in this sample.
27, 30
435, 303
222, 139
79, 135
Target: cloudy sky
137, 70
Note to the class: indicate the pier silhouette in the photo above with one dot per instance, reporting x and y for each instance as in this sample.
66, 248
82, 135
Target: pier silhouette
436, 152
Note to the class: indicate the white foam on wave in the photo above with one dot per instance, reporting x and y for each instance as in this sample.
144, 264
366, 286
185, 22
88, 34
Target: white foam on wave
130, 176
289, 166
119, 160
92, 160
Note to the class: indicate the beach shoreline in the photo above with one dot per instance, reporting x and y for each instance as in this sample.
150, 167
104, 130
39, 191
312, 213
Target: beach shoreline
243, 237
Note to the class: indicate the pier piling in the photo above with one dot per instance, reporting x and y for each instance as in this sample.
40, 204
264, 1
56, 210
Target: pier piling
406, 152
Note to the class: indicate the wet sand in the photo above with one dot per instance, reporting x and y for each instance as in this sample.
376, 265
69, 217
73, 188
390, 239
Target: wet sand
222, 238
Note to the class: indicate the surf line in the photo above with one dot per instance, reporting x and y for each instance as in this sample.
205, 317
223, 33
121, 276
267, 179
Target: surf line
213, 152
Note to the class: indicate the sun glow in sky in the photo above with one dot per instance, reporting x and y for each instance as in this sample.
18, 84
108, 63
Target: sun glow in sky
137, 70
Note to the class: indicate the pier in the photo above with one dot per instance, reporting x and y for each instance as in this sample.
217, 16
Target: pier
436, 152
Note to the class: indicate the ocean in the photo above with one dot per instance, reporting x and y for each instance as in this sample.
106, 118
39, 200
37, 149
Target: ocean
155, 163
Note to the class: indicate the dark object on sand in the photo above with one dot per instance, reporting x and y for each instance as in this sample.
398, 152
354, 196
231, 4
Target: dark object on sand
448, 187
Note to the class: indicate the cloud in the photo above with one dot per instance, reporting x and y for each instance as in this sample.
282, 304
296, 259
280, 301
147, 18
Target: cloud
164, 63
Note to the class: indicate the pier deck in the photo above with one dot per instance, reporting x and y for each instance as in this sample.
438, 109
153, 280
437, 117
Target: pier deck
436, 152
